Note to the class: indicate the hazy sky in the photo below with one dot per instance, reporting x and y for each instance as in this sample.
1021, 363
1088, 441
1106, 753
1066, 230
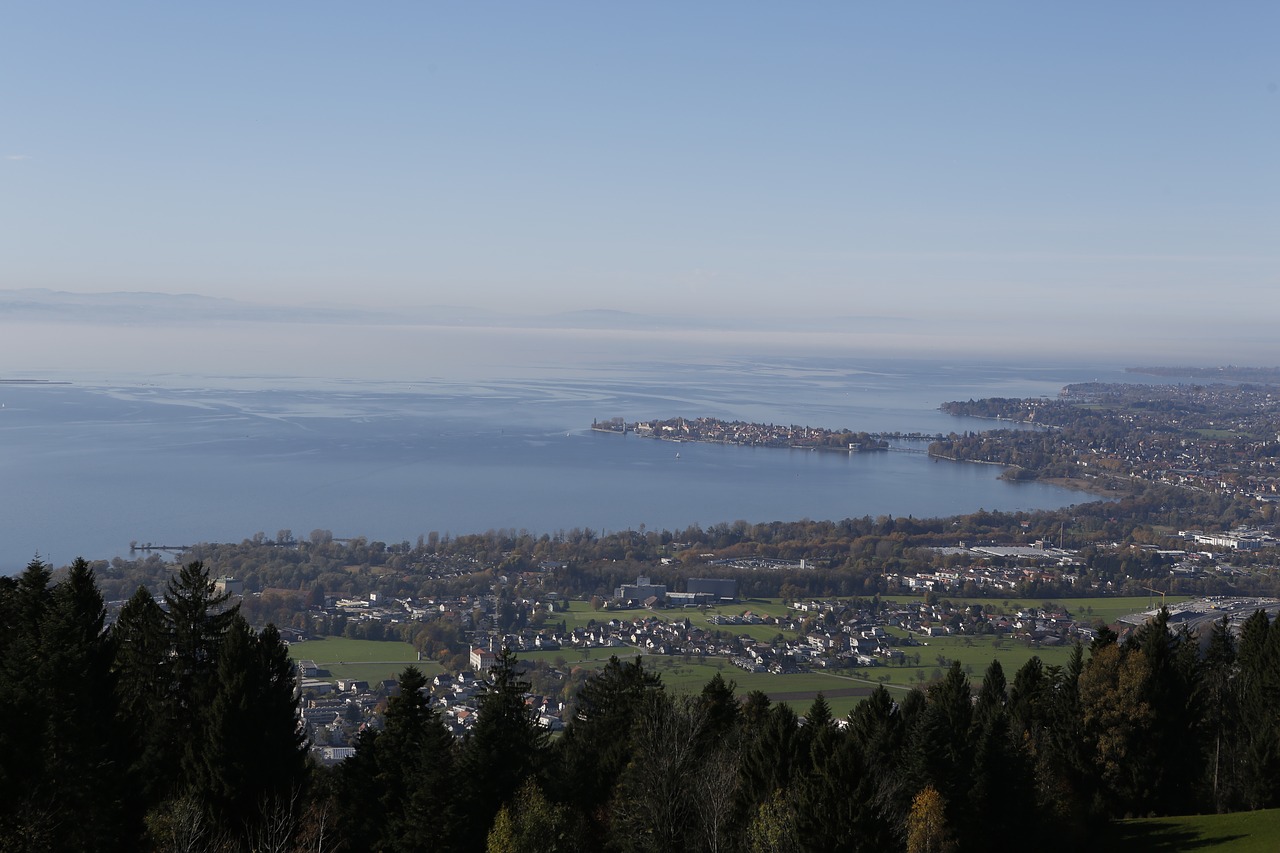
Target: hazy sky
1004, 161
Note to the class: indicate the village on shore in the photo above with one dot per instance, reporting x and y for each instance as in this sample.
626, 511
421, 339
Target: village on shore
744, 434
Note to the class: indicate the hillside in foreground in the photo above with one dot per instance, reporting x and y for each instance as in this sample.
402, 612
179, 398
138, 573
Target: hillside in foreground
1241, 832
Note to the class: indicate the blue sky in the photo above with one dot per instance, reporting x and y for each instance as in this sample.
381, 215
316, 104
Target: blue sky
976, 162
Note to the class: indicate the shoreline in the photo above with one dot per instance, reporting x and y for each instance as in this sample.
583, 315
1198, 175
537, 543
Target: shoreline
1091, 487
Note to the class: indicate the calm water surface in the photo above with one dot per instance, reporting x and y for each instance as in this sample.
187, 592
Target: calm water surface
89, 466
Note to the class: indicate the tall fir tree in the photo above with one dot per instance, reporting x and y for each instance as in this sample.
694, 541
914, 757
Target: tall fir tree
398, 792
27, 807
59, 758
196, 618
417, 759
141, 666
773, 756
83, 759
1258, 691
1001, 793
598, 742
252, 763
881, 728
942, 750
1217, 685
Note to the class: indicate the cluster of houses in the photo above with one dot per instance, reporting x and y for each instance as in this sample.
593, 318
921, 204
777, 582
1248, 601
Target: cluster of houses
1213, 437
457, 698
865, 642
737, 432
818, 649
987, 577
333, 713
1159, 446
376, 607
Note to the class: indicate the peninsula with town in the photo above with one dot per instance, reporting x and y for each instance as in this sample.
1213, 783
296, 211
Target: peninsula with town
744, 434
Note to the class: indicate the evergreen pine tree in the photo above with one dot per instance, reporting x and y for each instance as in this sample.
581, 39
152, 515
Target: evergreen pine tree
1259, 694
993, 697
252, 762
598, 742
83, 759
1221, 720
836, 802
27, 805
819, 717
504, 749
722, 708
58, 760
773, 756
196, 621
881, 728
754, 708
942, 754
141, 647
399, 791
1001, 793
1167, 690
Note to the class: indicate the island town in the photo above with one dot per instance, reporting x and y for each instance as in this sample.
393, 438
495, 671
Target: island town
744, 434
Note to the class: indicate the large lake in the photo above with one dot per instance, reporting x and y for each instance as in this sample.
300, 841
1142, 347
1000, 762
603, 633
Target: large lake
178, 458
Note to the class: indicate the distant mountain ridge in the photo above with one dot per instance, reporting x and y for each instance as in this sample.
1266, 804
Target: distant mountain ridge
144, 307
149, 307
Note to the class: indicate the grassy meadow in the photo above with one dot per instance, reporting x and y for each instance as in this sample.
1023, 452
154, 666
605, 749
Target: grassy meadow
1241, 832
366, 660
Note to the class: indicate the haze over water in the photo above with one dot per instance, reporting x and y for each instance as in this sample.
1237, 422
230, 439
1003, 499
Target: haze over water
464, 431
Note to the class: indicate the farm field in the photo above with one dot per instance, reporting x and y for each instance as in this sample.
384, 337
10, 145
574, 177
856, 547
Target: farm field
366, 660
581, 614
841, 691
975, 655
1106, 608
1241, 832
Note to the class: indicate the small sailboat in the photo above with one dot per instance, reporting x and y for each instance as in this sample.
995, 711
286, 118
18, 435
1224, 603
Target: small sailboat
677, 455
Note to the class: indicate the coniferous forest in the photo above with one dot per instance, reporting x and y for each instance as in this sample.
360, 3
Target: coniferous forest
176, 729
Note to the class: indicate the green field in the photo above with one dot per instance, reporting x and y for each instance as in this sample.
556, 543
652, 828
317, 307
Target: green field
841, 691
1216, 433
580, 614
1241, 832
366, 660
1106, 608
975, 654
